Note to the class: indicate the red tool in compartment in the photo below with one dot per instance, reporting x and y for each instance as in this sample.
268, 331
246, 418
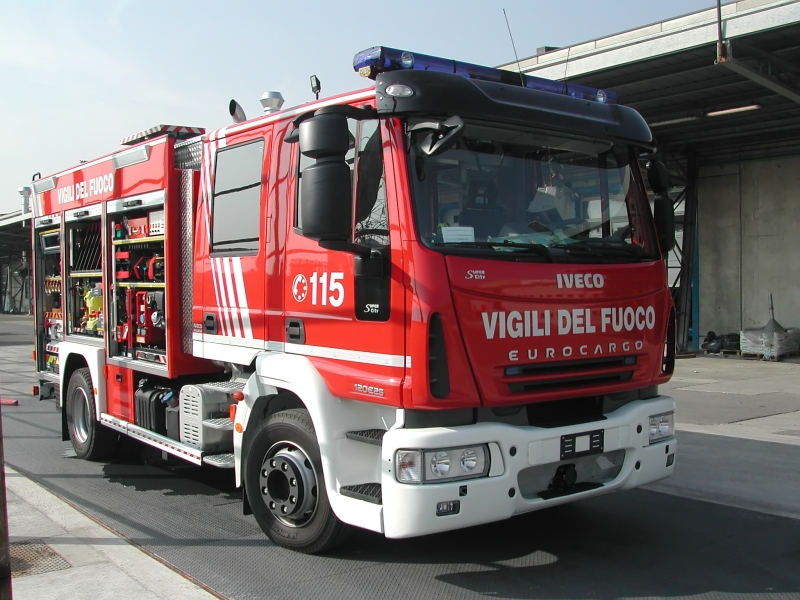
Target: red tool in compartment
149, 318
138, 228
123, 265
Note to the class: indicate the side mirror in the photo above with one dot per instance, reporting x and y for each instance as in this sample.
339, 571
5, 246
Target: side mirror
664, 211
664, 214
325, 186
658, 176
440, 136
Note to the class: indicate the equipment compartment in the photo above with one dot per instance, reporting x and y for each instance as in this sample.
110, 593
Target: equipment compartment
48, 282
84, 276
139, 289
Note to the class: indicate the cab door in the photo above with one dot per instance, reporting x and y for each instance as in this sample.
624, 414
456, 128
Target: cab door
351, 328
232, 249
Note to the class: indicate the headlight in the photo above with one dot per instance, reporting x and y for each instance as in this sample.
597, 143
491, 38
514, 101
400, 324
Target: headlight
469, 460
446, 464
440, 464
662, 426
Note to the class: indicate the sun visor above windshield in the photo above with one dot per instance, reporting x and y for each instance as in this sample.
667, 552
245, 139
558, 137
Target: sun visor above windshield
434, 93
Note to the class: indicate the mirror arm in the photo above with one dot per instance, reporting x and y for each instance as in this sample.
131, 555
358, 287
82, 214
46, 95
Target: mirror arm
358, 114
351, 112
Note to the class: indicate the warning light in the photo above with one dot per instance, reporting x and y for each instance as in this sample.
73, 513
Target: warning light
380, 59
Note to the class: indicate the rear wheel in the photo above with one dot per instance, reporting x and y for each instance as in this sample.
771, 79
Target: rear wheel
90, 440
285, 485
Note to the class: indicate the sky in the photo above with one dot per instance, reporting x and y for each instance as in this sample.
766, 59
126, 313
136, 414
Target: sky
77, 76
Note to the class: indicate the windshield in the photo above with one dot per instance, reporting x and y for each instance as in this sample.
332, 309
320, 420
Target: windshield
540, 196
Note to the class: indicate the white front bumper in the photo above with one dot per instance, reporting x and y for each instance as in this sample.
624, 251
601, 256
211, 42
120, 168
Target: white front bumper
410, 510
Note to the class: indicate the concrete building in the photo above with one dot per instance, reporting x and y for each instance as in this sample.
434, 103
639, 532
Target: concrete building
720, 89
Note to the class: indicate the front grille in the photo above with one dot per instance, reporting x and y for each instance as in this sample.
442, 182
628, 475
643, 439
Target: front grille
550, 385
572, 366
548, 377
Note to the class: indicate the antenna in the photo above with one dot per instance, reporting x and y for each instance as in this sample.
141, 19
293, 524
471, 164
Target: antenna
521, 78
566, 64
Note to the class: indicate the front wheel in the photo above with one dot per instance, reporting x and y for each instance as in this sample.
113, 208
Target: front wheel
285, 485
90, 440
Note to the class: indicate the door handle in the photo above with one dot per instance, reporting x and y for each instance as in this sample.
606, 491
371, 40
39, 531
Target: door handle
210, 322
295, 332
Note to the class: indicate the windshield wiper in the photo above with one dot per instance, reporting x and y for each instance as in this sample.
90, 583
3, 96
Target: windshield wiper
539, 249
603, 249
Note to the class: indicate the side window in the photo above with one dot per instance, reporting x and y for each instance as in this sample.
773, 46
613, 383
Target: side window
304, 162
371, 219
237, 198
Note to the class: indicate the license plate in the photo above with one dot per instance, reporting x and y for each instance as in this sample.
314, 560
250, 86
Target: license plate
576, 445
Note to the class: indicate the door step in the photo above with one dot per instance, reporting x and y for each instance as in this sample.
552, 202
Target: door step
369, 492
368, 436
223, 423
222, 461
226, 387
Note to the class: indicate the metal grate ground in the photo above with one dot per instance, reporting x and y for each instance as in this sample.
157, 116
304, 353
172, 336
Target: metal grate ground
33, 557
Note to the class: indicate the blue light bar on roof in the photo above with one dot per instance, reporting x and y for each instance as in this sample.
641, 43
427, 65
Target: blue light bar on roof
370, 62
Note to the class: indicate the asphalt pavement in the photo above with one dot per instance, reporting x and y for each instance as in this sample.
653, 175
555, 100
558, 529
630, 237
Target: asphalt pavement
726, 525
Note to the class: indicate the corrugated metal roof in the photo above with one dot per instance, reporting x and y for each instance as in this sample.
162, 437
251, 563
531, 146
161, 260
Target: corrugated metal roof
668, 72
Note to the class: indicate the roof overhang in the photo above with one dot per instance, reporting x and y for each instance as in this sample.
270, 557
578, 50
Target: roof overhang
671, 74
15, 235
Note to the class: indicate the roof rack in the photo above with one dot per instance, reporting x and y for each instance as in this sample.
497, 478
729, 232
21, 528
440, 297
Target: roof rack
177, 131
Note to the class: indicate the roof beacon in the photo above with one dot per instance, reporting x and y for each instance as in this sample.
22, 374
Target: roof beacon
380, 59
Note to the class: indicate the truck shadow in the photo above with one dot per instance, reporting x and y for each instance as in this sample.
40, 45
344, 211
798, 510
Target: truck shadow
144, 469
638, 544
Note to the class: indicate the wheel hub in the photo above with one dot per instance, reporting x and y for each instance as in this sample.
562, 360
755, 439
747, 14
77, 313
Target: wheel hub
288, 484
81, 416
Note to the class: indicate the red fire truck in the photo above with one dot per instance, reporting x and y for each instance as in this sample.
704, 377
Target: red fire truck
437, 302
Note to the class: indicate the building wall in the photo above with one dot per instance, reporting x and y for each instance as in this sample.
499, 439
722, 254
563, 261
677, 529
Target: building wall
749, 236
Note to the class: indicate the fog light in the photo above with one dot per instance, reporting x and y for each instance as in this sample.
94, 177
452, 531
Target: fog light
451, 507
408, 466
662, 426
407, 60
670, 459
440, 464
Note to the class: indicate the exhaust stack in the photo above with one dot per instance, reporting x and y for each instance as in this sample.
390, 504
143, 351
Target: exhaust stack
272, 102
25, 192
236, 111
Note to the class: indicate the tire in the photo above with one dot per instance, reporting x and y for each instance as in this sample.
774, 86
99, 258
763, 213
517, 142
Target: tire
90, 440
285, 485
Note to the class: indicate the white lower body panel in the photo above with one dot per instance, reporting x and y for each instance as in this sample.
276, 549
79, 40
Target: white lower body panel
410, 510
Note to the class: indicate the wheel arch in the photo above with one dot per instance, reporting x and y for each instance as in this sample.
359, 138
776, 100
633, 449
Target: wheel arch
74, 356
283, 381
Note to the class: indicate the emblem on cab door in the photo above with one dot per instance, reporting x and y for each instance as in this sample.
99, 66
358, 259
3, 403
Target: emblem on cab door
300, 288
